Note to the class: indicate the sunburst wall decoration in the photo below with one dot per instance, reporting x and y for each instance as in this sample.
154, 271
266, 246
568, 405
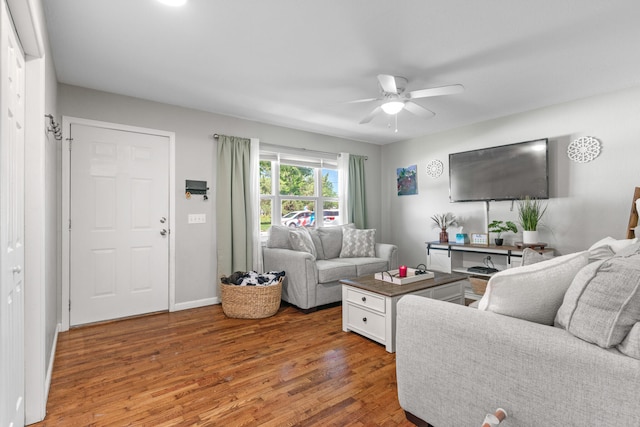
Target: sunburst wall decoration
435, 168
584, 149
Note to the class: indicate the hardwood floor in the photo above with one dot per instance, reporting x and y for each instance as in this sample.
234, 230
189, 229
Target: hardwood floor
198, 367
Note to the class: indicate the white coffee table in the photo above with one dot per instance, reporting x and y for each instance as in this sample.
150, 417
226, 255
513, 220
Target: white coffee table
369, 305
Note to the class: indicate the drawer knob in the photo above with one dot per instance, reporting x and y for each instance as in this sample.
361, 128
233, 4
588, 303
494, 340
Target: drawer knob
364, 299
364, 319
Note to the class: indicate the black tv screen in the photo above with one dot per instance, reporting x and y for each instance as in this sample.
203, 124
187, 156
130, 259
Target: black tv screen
506, 172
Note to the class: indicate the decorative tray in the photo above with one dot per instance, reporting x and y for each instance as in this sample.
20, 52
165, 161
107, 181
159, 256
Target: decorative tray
392, 276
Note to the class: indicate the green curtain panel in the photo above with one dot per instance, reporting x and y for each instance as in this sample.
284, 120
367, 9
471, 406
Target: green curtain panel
356, 205
233, 205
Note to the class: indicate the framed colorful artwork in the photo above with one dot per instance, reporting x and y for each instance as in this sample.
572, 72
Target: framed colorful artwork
407, 180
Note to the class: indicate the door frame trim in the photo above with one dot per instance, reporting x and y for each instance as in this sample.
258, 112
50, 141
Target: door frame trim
67, 121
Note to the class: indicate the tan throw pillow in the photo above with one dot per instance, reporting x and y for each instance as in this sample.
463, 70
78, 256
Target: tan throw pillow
358, 243
533, 292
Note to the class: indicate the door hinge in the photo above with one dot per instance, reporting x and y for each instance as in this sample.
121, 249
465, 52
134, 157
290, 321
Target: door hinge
70, 142
69, 224
69, 305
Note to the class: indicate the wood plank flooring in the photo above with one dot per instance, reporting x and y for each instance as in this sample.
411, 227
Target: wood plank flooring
198, 367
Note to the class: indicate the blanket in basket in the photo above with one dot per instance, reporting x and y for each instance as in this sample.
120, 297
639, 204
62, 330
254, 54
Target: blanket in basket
252, 278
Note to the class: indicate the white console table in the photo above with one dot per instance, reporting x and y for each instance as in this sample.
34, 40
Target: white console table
454, 257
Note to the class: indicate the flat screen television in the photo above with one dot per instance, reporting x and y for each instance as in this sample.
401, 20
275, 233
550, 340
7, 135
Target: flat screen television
506, 172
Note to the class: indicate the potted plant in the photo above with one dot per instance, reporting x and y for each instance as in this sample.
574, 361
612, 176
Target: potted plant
500, 227
443, 222
530, 211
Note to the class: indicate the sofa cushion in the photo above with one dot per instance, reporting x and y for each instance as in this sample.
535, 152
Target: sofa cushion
331, 271
367, 265
331, 238
603, 302
358, 243
300, 240
278, 237
533, 292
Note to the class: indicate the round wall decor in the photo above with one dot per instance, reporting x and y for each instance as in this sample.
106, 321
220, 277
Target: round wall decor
584, 149
435, 168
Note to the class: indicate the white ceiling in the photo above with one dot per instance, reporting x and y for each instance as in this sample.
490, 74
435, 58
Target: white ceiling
296, 63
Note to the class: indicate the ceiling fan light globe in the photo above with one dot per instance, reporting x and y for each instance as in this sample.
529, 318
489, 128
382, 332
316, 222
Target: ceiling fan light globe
173, 3
392, 107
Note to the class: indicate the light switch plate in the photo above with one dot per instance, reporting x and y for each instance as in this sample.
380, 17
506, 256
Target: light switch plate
197, 218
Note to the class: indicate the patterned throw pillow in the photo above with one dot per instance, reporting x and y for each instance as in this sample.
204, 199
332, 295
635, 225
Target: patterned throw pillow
301, 241
358, 243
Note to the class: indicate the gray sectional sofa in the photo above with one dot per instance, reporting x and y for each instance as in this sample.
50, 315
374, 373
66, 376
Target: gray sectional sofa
572, 361
314, 260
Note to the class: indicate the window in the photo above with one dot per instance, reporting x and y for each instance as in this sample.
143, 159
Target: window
294, 188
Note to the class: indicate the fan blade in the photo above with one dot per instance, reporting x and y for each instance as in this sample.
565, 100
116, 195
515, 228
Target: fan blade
436, 91
362, 100
418, 110
371, 115
387, 83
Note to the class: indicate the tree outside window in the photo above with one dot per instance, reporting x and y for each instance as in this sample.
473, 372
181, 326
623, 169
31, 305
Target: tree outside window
297, 192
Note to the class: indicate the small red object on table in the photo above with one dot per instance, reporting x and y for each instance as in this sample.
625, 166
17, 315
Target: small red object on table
402, 271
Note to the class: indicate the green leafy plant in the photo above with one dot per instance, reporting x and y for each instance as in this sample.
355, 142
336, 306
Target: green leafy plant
500, 227
444, 221
530, 212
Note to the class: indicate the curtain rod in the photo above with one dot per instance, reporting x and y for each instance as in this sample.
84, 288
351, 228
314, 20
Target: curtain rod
216, 136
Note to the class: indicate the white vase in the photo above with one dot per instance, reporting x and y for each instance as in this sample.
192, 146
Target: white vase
529, 237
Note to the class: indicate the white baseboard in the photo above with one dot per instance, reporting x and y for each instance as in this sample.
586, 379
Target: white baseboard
47, 380
195, 304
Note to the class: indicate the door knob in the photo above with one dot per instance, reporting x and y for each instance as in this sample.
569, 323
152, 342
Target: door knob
17, 269
163, 232
163, 220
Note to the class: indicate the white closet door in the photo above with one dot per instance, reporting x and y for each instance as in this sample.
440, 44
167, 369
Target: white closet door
12, 90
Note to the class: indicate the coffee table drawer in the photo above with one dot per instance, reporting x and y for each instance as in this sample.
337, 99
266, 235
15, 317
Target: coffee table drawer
366, 299
366, 322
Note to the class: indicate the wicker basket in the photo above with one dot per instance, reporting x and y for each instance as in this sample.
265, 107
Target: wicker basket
251, 302
478, 284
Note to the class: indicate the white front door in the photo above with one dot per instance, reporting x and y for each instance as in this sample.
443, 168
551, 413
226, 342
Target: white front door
12, 74
119, 209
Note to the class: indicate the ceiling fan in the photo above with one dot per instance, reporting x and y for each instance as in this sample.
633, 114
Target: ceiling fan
393, 98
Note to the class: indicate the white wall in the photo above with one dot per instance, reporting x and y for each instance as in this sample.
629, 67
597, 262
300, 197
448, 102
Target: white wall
588, 201
195, 159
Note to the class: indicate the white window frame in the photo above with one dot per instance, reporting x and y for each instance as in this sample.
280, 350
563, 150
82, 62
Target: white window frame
301, 159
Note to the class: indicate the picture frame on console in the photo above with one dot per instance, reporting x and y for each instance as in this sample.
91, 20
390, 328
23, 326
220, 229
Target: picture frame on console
480, 239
